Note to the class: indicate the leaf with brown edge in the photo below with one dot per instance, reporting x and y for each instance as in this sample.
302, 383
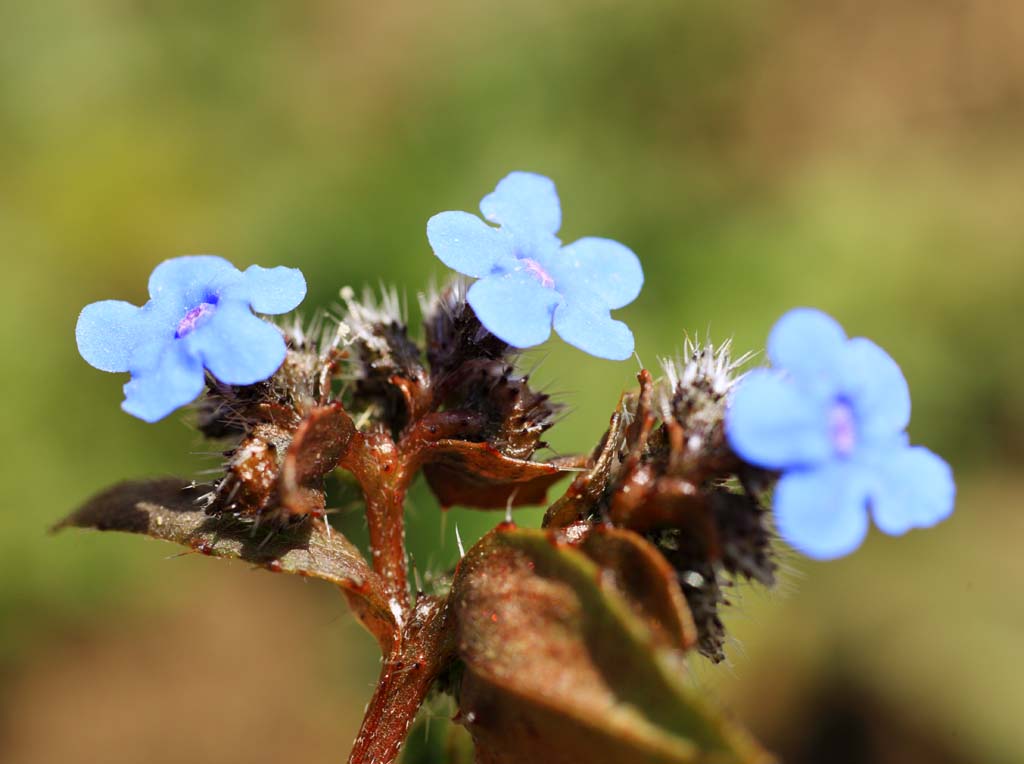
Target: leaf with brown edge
559, 668
170, 509
478, 475
646, 581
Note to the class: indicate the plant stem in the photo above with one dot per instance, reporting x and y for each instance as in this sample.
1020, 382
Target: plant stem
385, 471
420, 647
376, 463
419, 653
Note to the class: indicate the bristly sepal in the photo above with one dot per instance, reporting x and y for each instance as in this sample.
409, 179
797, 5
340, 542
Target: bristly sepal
289, 431
454, 335
275, 476
472, 371
385, 362
303, 381
664, 470
691, 399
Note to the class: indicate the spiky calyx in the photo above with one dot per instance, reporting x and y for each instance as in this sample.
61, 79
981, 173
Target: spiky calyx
454, 335
472, 370
287, 433
385, 365
665, 471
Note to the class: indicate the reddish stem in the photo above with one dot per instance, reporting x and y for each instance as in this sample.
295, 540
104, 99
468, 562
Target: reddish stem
420, 646
385, 471
379, 467
418, 655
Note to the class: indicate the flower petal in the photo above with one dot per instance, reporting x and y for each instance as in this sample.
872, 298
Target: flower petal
873, 383
598, 267
823, 512
107, 332
514, 307
809, 345
467, 244
915, 489
590, 327
237, 347
773, 423
274, 290
525, 203
183, 282
174, 378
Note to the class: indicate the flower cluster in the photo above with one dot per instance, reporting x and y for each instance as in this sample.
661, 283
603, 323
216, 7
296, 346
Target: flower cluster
831, 415
662, 518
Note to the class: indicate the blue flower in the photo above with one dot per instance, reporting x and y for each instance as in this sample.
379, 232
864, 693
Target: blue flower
832, 417
199, 315
527, 279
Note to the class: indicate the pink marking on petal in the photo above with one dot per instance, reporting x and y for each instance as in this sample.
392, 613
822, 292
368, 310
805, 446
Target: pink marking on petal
195, 318
536, 270
843, 428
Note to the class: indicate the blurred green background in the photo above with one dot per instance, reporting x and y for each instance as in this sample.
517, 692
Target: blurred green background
865, 157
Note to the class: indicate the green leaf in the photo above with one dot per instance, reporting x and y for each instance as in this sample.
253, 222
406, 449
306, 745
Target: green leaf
170, 509
562, 667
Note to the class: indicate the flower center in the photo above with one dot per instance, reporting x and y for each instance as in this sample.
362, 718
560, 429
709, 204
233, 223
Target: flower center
536, 270
842, 428
195, 318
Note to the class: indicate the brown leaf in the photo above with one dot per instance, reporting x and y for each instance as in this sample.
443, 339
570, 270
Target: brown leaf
646, 581
170, 509
320, 442
648, 501
478, 475
559, 668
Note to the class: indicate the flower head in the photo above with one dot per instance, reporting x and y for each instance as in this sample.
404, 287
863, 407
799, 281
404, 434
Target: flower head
200, 315
832, 416
528, 280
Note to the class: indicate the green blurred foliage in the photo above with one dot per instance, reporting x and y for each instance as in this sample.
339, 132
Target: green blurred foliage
860, 157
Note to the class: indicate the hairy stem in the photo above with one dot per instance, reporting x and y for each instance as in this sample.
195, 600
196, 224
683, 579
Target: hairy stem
417, 657
376, 463
420, 647
385, 470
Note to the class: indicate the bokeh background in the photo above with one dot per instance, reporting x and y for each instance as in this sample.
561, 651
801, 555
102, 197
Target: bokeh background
862, 156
